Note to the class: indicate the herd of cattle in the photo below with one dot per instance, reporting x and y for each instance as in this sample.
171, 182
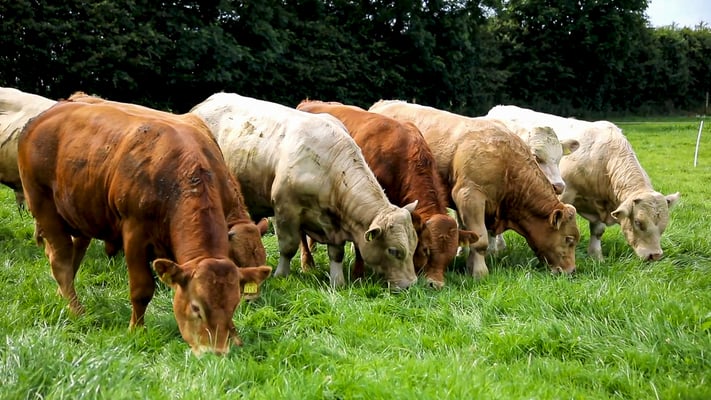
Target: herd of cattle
189, 194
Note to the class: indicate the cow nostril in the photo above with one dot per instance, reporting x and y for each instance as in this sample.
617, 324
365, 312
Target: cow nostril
654, 257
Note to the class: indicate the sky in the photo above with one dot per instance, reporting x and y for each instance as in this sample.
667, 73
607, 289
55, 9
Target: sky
682, 12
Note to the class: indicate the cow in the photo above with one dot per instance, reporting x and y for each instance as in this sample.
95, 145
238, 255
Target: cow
494, 184
405, 167
546, 148
246, 247
16, 108
306, 172
605, 182
154, 184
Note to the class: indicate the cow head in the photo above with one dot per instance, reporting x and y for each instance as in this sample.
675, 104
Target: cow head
643, 218
548, 151
246, 247
207, 293
437, 246
389, 244
555, 245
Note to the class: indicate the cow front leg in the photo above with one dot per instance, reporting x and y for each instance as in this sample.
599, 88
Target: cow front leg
307, 248
471, 205
140, 277
595, 246
335, 256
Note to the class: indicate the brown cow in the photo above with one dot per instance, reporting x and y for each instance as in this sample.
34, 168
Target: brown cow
246, 247
155, 184
405, 168
494, 182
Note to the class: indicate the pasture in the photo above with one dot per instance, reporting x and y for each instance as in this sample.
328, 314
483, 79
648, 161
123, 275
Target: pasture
620, 328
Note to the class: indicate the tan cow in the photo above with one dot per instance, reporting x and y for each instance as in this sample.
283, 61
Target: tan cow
306, 171
16, 108
494, 183
152, 182
405, 167
606, 182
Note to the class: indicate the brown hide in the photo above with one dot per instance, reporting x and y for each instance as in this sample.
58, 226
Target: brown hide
246, 247
495, 184
405, 167
151, 182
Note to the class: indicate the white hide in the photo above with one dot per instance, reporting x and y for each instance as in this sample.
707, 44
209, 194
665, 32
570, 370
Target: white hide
605, 181
306, 171
16, 109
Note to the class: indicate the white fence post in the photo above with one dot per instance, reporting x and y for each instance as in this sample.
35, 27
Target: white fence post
698, 139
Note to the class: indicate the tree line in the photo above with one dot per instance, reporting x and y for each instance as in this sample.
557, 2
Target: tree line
569, 57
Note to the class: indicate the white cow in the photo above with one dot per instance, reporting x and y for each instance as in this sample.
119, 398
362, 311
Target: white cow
16, 108
306, 171
605, 182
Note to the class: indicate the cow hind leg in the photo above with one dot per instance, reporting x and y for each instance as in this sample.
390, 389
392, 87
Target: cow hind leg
64, 258
595, 246
307, 248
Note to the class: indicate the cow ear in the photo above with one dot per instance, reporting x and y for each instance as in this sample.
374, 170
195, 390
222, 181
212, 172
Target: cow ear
411, 207
467, 237
622, 211
169, 272
672, 199
556, 218
569, 146
253, 276
263, 226
373, 233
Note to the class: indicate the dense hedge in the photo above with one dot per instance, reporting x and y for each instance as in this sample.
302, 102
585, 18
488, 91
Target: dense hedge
553, 55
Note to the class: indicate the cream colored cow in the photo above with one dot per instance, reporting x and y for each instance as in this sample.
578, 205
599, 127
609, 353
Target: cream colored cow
606, 183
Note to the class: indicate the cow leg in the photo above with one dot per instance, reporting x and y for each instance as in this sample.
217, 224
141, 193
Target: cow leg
497, 243
595, 246
470, 205
140, 277
307, 247
358, 264
288, 246
51, 232
335, 256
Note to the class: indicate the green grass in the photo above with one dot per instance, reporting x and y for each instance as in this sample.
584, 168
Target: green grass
620, 328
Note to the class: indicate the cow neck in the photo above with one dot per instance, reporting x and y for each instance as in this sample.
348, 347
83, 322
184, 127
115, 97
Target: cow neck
626, 176
361, 200
532, 200
198, 228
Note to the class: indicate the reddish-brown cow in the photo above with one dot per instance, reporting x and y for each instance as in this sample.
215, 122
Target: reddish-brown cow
405, 168
246, 247
155, 184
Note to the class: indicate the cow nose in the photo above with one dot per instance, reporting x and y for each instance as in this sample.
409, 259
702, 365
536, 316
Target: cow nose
654, 256
559, 187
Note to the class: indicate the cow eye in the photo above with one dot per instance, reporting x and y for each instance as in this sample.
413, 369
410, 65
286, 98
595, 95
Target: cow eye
395, 253
639, 225
539, 160
195, 310
569, 240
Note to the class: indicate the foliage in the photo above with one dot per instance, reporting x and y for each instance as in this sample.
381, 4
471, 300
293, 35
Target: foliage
562, 56
620, 328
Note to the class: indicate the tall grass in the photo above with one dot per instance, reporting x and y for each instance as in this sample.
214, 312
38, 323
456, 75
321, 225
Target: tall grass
620, 328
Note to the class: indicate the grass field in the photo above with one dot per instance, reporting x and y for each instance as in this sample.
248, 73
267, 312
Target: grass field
620, 328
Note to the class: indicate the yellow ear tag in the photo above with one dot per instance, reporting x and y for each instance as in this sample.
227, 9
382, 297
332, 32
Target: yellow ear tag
250, 288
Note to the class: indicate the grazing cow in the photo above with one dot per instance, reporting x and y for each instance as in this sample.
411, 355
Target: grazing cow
494, 183
605, 182
246, 247
547, 149
306, 171
151, 182
16, 108
405, 167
